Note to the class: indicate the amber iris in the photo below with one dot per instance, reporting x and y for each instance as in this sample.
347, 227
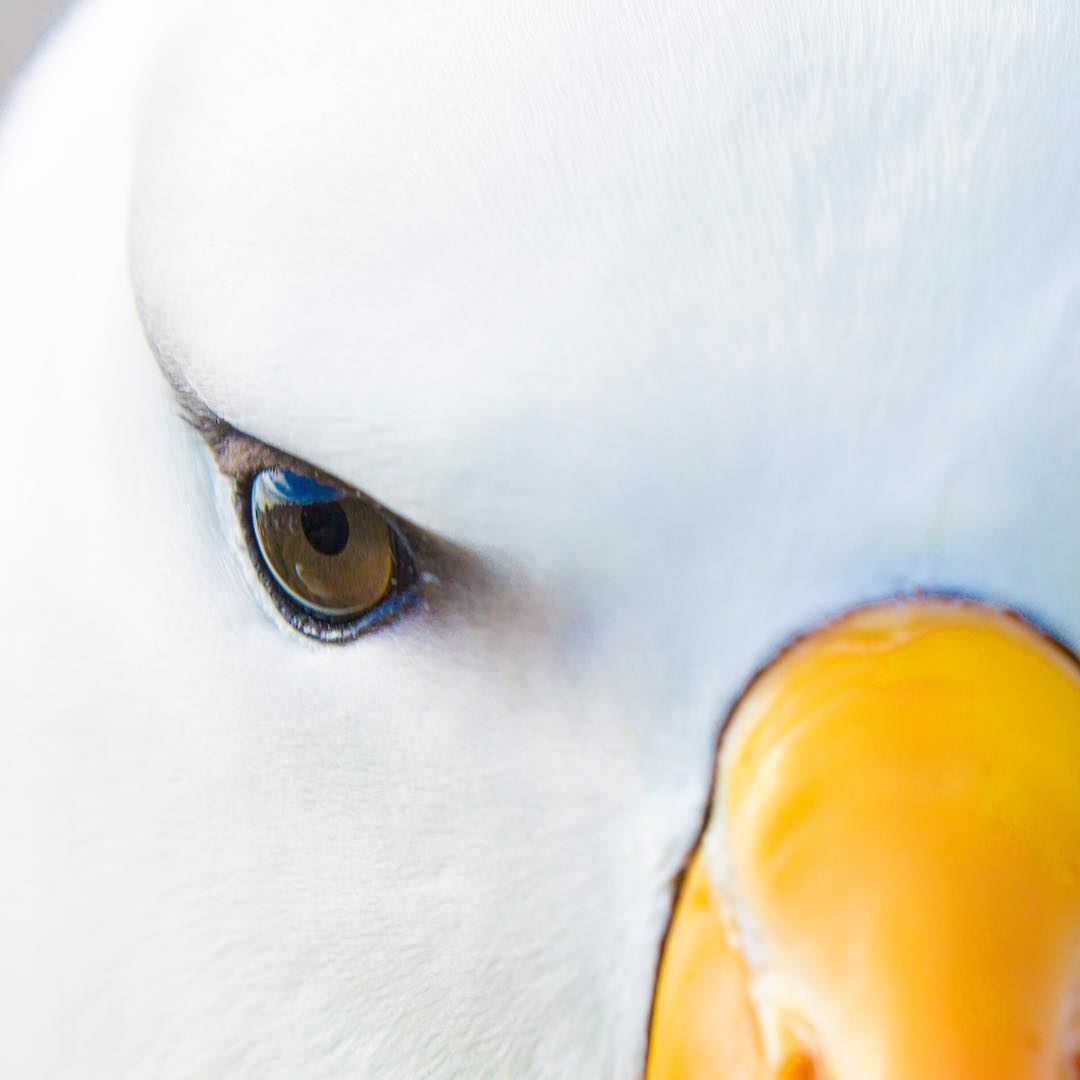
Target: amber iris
328, 550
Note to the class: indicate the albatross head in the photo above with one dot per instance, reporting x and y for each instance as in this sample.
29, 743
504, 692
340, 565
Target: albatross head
629, 342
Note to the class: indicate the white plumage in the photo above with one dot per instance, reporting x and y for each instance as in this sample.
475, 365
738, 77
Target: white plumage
688, 323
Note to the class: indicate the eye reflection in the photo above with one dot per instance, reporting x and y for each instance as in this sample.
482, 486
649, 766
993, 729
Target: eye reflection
329, 551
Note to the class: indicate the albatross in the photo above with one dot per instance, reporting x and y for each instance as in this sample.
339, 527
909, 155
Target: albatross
541, 540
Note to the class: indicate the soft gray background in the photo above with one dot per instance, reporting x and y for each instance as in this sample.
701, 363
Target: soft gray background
21, 24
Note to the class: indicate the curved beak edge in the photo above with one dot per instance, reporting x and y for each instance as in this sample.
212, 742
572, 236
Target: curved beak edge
888, 885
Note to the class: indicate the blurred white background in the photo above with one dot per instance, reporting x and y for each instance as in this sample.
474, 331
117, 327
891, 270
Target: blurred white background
22, 22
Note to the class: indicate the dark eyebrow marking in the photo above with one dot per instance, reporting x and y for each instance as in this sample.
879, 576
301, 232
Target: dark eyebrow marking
192, 407
236, 453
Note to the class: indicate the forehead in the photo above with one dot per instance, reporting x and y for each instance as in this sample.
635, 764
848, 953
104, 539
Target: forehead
483, 257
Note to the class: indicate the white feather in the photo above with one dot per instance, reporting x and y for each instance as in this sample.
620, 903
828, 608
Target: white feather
696, 322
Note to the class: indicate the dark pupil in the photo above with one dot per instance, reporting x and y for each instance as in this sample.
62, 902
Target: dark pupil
326, 527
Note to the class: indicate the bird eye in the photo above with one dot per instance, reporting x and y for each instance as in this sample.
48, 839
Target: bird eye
335, 564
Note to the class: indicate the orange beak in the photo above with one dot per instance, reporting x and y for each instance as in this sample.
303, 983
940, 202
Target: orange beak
888, 887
